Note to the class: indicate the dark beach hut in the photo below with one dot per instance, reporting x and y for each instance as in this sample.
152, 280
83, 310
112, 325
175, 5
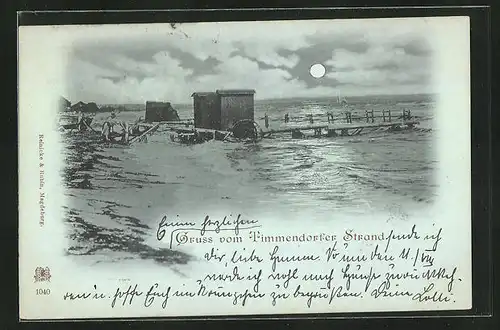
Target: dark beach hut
221, 109
160, 111
64, 104
235, 105
206, 110
85, 107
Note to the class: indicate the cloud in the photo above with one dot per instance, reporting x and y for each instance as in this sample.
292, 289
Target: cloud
128, 81
271, 52
270, 56
241, 72
377, 56
379, 65
416, 48
165, 79
377, 77
158, 63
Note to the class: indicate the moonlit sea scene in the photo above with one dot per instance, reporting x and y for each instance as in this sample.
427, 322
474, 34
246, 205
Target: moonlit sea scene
128, 187
115, 194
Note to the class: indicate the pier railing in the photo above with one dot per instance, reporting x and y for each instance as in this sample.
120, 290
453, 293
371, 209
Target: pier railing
345, 124
369, 116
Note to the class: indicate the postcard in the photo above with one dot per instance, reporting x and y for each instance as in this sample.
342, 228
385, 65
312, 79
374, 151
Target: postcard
244, 168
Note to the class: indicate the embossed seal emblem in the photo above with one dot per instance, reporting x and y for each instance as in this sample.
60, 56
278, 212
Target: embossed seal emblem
42, 274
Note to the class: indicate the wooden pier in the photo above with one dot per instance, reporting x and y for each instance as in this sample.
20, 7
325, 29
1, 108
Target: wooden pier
348, 128
184, 131
344, 129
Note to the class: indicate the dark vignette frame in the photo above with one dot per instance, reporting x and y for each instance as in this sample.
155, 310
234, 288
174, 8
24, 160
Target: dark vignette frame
481, 148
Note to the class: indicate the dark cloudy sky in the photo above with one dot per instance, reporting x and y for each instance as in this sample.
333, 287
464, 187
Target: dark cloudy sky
157, 62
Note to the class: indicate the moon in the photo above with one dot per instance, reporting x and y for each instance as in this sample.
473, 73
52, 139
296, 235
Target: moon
317, 70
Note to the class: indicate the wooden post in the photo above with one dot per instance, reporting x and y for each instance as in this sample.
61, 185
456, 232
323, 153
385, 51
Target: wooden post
373, 118
366, 113
389, 115
226, 136
349, 117
331, 133
383, 115
89, 127
297, 134
125, 133
106, 130
143, 134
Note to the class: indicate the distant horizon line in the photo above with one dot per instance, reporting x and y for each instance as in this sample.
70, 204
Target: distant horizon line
281, 98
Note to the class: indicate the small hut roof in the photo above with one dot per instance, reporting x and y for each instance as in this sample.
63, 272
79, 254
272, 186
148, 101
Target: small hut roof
235, 91
85, 107
202, 94
157, 102
65, 100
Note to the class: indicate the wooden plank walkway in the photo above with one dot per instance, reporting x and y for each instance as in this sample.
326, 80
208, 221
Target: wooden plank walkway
357, 127
186, 129
338, 127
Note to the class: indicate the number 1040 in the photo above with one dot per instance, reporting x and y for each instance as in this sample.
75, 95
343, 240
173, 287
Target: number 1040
42, 292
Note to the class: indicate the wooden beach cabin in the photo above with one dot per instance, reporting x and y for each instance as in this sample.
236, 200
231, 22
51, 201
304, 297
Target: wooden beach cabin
160, 111
221, 109
64, 104
206, 110
85, 107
